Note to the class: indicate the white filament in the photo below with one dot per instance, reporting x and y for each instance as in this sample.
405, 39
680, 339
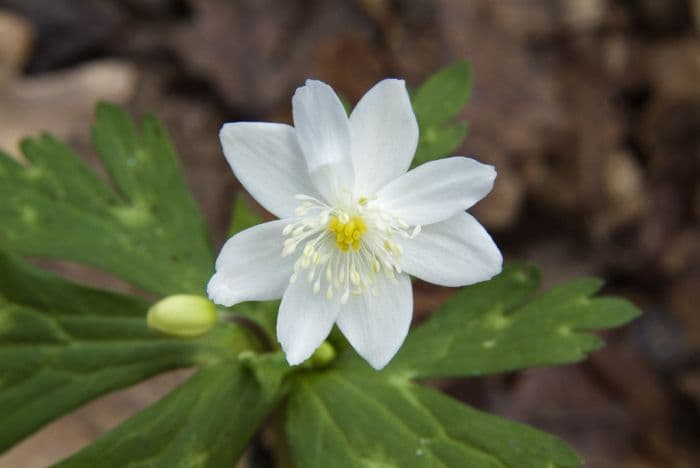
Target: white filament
348, 272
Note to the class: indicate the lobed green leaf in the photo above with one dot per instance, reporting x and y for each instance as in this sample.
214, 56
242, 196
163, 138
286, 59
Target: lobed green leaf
206, 422
149, 231
437, 104
62, 345
357, 419
496, 326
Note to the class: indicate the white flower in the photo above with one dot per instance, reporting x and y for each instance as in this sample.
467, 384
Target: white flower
353, 223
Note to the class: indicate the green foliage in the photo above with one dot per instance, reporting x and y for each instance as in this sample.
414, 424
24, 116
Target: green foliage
147, 231
358, 419
243, 216
62, 344
207, 422
437, 104
496, 326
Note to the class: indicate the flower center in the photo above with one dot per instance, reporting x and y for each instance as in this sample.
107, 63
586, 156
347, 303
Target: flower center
347, 234
345, 247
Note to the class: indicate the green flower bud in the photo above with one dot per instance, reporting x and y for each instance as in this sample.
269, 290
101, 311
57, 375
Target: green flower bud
323, 355
182, 315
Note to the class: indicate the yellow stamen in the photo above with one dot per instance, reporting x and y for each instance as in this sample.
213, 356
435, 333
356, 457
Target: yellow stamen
348, 234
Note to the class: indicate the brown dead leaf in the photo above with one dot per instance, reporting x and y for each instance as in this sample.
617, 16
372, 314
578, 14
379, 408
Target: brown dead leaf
16, 39
61, 102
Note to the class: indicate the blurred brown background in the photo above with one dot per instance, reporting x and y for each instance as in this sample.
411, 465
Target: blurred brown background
590, 110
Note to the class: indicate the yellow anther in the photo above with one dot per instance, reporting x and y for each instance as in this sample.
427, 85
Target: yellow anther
347, 233
362, 201
349, 228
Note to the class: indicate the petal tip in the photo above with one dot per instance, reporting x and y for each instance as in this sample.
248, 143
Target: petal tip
379, 359
379, 364
295, 356
219, 292
311, 83
228, 128
398, 81
498, 264
292, 361
225, 133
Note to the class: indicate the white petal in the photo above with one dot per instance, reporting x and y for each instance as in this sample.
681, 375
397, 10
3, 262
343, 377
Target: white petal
384, 134
376, 325
324, 136
250, 266
437, 190
267, 160
305, 319
454, 252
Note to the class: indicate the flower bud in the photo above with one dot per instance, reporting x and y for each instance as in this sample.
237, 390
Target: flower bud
323, 355
182, 315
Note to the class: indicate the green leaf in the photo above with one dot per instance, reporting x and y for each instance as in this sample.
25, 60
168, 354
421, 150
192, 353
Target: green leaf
346, 104
262, 314
366, 420
62, 345
269, 369
363, 418
437, 104
149, 231
495, 327
243, 216
443, 95
207, 422
438, 142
